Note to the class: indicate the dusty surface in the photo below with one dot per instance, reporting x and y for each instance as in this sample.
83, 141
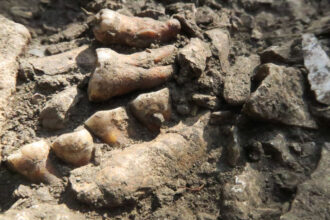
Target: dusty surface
264, 154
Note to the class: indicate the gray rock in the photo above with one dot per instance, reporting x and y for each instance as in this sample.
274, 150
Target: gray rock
318, 64
57, 110
241, 198
320, 25
289, 52
206, 16
237, 83
192, 58
153, 108
254, 151
279, 98
42, 211
186, 14
221, 45
206, 101
278, 149
313, 196
233, 148
321, 112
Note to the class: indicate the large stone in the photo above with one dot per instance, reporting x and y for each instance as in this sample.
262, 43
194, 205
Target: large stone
313, 196
318, 64
13, 39
57, 110
237, 83
289, 52
42, 211
221, 45
126, 175
192, 58
279, 98
241, 198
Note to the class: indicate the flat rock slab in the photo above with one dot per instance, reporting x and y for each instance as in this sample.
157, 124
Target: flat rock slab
13, 39
220, 40
81, 57
314, 194
318, 64
279, 98
42, 211
237, 83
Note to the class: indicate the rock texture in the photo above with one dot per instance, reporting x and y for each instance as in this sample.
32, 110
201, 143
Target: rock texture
42, 211
153, 108
206, 101
221, 46
318, 64
57, 110
279, 98
192, 58
237, 83
13, 39
241, 198
82, 57
314, 194
134, 172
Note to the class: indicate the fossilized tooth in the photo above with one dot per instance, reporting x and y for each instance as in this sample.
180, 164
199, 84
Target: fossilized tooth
118, 74
113, 127
75, 148
318, 63
153, 108
32, 162
115, 28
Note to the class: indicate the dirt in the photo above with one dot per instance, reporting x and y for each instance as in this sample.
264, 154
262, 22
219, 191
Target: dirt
275, 156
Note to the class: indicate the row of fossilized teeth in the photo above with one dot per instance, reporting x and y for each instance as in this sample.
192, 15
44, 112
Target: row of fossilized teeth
114, 127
